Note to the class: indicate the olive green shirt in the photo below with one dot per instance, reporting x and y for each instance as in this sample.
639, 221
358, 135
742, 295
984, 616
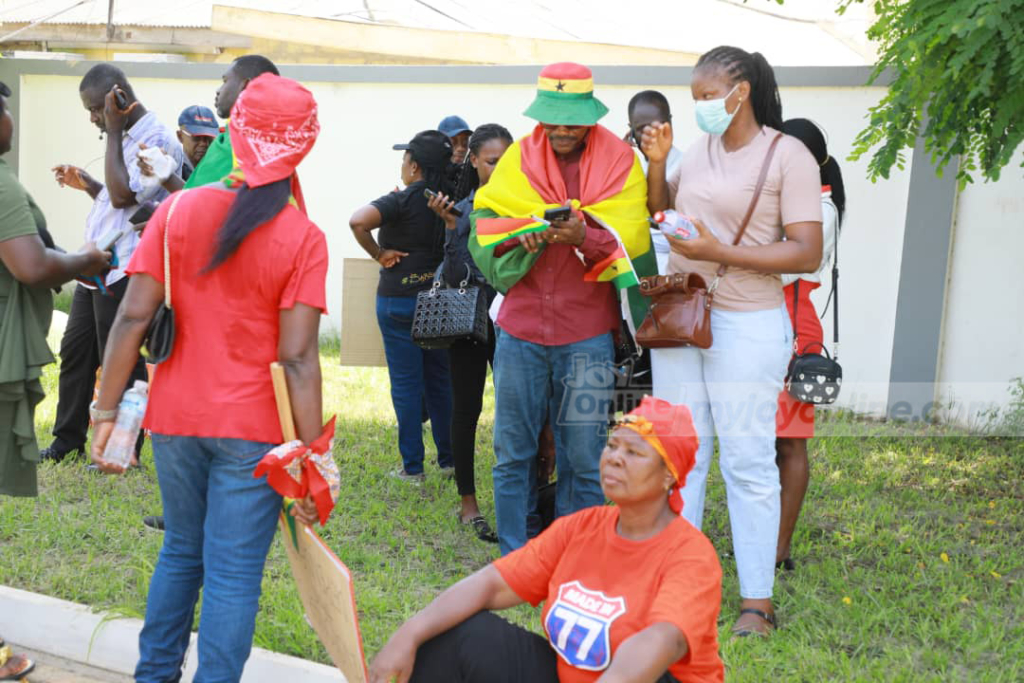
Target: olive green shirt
25, 314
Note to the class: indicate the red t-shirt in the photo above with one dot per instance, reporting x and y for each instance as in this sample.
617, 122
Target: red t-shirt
552, 305
217, 381
599, 589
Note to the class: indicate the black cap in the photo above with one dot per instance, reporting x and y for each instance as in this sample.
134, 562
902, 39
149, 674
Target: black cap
430, 148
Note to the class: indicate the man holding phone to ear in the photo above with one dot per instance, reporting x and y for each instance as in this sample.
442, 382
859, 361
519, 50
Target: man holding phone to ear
114, 109
551, 230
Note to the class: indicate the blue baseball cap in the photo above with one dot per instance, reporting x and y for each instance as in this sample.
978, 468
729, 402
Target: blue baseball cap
196, 120
453, 125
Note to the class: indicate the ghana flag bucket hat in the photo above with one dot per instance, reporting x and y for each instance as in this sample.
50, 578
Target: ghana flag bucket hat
565, 96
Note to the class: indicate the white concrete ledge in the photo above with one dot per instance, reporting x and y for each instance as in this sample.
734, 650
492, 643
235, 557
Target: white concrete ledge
105, 641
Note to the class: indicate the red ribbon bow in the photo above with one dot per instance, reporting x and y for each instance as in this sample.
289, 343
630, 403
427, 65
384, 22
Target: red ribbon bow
311, 482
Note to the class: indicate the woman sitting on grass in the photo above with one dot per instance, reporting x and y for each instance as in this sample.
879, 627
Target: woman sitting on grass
631, 592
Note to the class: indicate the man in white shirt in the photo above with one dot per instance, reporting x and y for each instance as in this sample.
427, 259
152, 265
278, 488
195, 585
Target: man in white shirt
645, 108
128, 127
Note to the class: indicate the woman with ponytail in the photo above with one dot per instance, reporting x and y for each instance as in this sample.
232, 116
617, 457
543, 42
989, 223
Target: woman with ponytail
732, 387
794, 422
409, 248
247, 285
469, 359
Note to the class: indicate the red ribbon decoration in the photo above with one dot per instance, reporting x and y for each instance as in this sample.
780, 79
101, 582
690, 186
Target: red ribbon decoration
312, 482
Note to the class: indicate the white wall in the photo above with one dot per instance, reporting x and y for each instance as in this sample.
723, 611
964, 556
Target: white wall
984, 325
353, 163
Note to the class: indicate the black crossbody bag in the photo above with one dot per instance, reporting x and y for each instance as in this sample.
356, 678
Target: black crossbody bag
812, 377
159, 341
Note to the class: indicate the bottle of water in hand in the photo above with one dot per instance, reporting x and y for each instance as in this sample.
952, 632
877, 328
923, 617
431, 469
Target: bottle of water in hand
674, 224
122, 440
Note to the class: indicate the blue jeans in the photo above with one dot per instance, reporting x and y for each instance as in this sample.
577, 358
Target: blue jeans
573, 384
732, 390
220, 522
415, 374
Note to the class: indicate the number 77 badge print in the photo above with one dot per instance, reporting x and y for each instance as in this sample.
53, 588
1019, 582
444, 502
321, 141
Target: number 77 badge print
579, 623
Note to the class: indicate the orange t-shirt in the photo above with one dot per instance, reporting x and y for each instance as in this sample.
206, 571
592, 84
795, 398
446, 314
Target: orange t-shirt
600, 588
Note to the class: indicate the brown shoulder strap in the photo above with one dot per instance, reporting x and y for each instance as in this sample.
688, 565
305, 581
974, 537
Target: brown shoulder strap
757, 195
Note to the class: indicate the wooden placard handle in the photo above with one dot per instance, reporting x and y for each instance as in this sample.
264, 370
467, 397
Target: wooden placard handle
284, 403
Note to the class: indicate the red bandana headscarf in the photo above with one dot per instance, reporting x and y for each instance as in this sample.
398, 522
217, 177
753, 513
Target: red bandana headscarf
669, 429
273, 126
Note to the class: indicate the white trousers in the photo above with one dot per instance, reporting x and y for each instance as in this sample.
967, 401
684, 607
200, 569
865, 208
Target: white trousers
732, 390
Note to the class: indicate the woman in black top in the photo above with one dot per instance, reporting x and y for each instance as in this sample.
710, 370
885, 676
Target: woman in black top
468, 358
410, 248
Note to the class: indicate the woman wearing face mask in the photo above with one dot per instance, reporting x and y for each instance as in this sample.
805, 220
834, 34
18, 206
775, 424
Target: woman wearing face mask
738, 108
469, 359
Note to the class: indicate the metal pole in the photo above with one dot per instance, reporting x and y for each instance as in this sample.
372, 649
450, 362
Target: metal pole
110, 21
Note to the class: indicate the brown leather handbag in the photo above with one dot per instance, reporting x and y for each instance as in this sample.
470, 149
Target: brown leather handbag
680, 312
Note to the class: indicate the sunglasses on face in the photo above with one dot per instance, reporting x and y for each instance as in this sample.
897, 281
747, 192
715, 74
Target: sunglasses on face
551, 127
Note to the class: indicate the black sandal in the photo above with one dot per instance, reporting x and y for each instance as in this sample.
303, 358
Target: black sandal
786, 565
770, 618
482, 529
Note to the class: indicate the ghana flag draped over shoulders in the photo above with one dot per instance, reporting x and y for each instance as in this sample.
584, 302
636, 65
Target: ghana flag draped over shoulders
527, 180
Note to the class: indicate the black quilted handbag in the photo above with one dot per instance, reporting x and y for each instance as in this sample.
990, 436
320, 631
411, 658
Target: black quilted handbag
812, 377
444, 315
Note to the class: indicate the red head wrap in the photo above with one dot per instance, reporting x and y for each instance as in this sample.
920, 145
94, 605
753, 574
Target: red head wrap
273, 127
669, 429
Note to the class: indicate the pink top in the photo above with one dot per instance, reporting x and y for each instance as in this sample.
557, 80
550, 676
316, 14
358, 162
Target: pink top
716, 186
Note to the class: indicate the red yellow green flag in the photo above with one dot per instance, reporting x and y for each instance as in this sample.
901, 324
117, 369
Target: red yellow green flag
613, 192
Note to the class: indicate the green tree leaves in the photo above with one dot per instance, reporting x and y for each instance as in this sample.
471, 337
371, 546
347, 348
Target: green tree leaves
957, 70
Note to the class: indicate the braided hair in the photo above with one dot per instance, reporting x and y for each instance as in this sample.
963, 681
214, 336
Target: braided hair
808, 132
469, 179
436, 177
740, 65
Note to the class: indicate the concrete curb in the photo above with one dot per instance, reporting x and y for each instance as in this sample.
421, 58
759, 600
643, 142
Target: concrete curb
105, 641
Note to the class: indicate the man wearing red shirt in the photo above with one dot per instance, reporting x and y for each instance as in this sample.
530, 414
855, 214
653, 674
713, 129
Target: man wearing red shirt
554, 352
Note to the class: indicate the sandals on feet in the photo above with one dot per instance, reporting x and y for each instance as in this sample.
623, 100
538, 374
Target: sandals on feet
481, 528
14, 668
744, 632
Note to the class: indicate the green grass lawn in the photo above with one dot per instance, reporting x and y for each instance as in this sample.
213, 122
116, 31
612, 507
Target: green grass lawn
910, 550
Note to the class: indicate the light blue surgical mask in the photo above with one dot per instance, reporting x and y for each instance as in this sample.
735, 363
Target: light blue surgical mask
712, 116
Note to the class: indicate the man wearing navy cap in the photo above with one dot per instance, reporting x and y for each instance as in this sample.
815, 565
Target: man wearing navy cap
458, 132
197, 128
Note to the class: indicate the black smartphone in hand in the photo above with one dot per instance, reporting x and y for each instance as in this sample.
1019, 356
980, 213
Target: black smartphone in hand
120, 98
430, 194
562, 213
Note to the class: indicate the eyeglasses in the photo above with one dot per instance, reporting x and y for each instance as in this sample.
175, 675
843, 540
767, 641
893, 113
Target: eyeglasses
552, 127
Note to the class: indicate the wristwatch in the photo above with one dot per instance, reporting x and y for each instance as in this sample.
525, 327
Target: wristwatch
98, 415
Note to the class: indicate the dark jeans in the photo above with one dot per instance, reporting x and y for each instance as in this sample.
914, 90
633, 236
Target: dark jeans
487, 649
415, 373
469, 375
81, 352
570, 385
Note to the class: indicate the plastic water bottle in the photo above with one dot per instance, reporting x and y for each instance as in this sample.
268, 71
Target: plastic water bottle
674, 224
121, 444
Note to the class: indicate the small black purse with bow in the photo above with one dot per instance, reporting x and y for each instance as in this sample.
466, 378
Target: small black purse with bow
812, 377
